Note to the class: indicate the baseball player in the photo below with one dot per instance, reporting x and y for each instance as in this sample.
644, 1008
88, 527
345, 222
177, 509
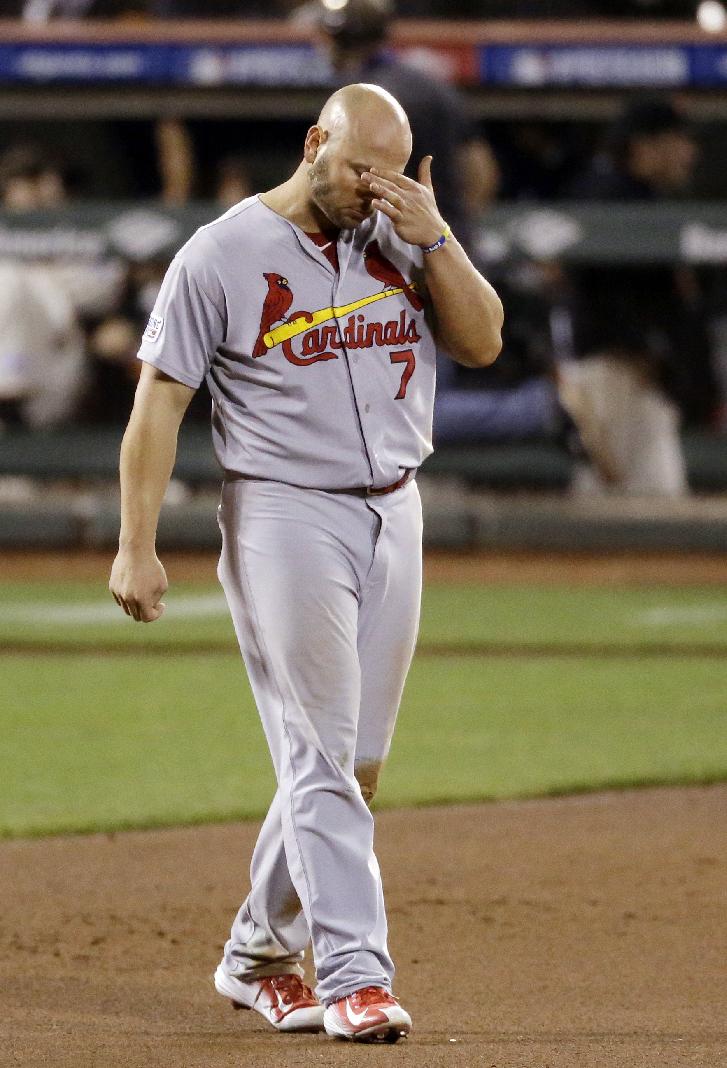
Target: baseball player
312, 311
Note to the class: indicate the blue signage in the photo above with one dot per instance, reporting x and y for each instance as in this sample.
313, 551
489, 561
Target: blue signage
293, 64
139, 63
603, 66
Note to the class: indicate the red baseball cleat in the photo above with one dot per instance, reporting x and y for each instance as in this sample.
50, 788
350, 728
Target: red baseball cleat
284, 1000
371, 1014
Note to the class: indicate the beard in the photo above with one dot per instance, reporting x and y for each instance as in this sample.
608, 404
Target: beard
321, 189
324, 197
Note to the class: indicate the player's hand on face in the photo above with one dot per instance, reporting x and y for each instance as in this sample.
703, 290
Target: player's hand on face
410, 205
137, 584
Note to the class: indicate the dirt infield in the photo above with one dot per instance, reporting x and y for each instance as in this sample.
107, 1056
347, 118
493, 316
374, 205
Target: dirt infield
570, 933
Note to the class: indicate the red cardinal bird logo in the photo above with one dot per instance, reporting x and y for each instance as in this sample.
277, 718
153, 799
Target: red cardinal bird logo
278, 299
383, 270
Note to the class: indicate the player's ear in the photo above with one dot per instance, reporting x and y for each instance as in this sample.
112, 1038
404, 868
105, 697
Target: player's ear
313, 141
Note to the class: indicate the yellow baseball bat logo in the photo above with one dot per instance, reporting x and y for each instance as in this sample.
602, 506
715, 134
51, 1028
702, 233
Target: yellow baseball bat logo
324, 315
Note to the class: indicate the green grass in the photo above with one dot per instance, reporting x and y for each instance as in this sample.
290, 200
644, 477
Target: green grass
523, 727
139, 751
93, 743
98, 743
636, 617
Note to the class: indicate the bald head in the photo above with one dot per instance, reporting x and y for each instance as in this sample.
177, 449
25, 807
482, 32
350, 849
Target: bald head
360, 127
367, 113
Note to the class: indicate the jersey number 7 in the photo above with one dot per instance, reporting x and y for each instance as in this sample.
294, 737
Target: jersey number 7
407, 357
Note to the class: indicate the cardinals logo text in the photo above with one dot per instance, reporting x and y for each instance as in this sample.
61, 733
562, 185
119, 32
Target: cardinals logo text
326, 332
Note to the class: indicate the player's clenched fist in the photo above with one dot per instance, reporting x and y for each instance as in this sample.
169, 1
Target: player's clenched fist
138, 584
410, 205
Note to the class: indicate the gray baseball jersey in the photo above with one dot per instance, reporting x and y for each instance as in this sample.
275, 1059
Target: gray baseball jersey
319, 379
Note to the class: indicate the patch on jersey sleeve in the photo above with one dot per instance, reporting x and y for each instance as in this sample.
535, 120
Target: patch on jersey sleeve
154, 327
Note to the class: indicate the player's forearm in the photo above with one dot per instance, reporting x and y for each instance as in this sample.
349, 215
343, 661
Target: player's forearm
148, 451
147, 459
468, 311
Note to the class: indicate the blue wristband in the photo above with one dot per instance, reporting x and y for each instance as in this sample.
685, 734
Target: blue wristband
426, 249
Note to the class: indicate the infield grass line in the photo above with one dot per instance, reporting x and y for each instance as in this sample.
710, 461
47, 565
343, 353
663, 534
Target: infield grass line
480, 620
213, 605
475, 650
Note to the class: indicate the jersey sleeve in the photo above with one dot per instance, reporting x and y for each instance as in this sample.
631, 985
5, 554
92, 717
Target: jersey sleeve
188, 322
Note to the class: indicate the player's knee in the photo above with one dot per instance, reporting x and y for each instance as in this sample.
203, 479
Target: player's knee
367, 776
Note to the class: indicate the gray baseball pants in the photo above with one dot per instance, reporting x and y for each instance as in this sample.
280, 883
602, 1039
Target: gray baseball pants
324, 590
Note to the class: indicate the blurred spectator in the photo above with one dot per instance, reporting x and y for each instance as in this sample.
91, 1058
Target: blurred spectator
30, 179
41, 345
538, 159
516, 398
113, 342
41, 348
639, 333
176, 163
232, 181
464, 170
465, 175
43, 367
649, 153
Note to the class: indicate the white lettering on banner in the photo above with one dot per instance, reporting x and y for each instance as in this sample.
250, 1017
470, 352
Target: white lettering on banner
264, 65
601, 66
44, 64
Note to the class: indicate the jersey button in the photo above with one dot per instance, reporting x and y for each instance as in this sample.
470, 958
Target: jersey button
367, 407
